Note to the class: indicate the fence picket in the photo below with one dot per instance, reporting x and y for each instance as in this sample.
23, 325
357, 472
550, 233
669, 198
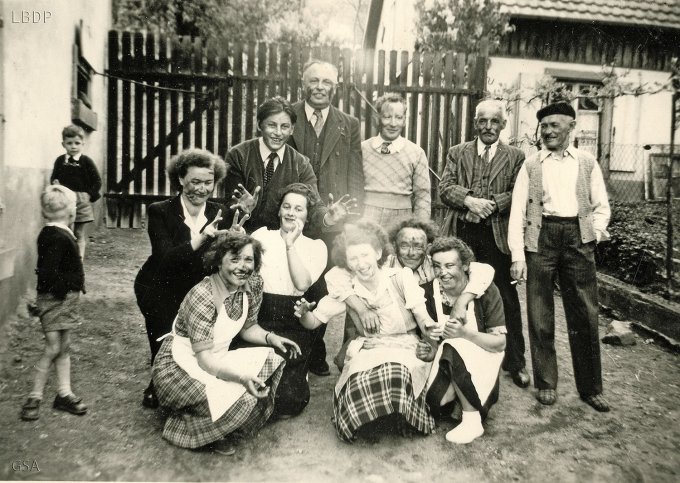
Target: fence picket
206, 95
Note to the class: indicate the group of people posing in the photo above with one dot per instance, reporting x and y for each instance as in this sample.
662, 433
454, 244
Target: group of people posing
325, 228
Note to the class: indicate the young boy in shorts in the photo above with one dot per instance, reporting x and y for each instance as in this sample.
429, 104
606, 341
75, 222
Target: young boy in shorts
78, 173
60, 281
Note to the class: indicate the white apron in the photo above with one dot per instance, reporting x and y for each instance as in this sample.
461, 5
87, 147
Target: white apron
482, 365
221, 394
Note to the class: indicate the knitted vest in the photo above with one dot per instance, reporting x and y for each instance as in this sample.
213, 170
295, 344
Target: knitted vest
535, 201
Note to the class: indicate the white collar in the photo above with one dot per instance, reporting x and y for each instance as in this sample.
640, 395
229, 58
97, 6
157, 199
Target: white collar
383, 281
481, 147
395, 146
265, 151
571, 151
62, 226
75, 158
189, 220
309, 110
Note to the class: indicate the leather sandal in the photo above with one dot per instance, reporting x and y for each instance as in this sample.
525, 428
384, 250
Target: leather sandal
597, 402
547, 397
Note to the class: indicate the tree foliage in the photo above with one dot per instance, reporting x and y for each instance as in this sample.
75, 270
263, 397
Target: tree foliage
218, 20
460, 25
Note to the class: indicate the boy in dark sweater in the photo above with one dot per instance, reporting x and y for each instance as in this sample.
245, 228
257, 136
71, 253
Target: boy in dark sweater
79, 174
60, 281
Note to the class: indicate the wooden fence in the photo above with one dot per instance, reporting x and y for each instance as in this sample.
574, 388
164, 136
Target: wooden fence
166, 94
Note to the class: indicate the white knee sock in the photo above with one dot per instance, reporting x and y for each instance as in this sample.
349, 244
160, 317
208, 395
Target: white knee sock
42, 370
63, 365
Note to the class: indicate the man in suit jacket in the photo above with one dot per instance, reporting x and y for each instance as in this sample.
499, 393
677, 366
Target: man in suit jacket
327, 136
477, 186
331, 140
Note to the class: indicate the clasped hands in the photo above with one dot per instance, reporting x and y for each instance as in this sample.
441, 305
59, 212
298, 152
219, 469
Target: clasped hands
479, 209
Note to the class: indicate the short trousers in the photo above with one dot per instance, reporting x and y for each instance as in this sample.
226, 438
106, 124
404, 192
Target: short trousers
56, 314
84, 211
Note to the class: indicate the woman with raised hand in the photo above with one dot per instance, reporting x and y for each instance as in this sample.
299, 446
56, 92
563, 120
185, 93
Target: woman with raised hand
290, 265
382, 377
209, 389
180, 229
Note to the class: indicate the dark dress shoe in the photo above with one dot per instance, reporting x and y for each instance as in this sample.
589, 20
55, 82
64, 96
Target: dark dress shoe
30, 411
320, 368
70, 404
521, 378
150, 400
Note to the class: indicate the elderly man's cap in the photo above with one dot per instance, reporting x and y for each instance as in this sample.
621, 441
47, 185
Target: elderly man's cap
556, 108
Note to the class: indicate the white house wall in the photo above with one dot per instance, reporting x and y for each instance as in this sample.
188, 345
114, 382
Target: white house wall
637, 120
38, 39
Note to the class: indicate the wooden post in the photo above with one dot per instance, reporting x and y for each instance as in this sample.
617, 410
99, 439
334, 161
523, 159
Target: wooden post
669, 198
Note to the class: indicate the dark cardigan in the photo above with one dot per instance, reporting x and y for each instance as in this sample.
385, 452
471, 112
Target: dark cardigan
247, 168
60, 269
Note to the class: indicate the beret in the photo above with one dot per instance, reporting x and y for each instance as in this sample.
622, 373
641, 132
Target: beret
556, 108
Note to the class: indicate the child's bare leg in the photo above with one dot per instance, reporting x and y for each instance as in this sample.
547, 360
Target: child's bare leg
42, 367
63, 364
81, 237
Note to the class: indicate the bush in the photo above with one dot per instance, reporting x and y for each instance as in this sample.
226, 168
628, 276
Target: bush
636, 252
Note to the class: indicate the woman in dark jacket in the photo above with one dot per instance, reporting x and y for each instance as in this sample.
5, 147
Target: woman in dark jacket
180, 230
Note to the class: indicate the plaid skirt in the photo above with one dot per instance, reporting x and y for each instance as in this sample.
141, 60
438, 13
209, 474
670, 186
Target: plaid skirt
189, 424
383, 390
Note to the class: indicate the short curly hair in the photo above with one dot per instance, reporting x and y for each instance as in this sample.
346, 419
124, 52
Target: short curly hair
300, 189
200, 158
57, 202
230, 242
450, 243
362, 231
428, 227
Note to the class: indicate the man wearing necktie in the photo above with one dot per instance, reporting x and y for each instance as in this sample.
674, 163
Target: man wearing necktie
332, 141
477, 187
397, 179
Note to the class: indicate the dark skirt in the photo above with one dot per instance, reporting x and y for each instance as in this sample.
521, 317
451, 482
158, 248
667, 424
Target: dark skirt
276, 315
452, 368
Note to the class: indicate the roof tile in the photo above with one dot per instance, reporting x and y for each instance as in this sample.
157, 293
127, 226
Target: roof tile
658, 13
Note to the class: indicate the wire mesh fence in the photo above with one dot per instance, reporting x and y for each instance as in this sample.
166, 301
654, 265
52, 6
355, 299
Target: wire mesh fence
636, 177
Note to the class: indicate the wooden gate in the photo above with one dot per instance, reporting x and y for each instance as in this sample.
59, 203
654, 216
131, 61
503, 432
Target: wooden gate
166, 94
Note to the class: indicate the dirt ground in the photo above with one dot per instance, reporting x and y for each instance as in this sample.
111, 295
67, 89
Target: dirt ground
120, 440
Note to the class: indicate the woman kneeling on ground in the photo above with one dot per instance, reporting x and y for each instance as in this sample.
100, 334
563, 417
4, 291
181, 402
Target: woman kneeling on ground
381, 376
468, 359
210, 390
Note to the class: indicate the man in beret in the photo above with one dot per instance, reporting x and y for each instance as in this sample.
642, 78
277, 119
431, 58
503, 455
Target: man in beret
559, 212
477, 187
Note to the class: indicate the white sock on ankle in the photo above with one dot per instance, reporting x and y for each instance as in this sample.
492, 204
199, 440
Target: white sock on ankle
468, 430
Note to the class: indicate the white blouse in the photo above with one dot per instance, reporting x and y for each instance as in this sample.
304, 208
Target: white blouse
275, 272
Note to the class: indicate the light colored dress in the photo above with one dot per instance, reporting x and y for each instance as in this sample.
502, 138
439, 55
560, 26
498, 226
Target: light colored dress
389, 378
203, 407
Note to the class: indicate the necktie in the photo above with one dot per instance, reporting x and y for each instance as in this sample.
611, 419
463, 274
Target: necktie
269, 170
318, 122
485, 157
385, 148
